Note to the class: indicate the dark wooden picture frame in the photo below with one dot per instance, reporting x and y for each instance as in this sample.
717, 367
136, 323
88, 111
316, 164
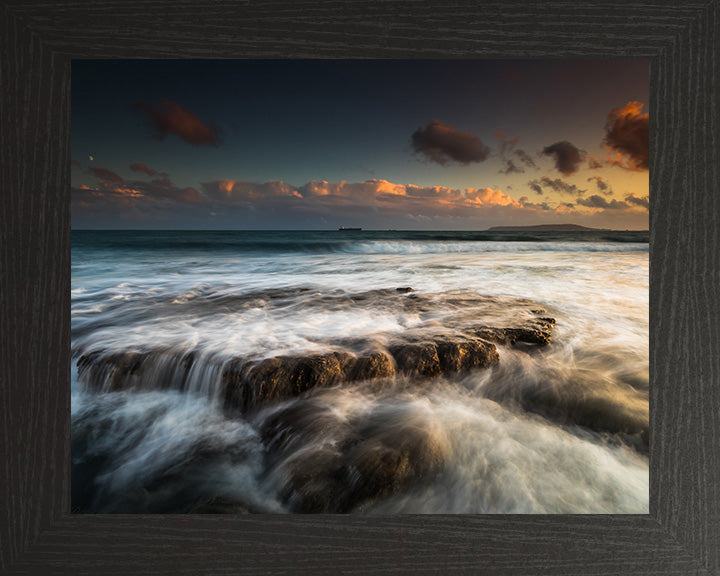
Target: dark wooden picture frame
38, 41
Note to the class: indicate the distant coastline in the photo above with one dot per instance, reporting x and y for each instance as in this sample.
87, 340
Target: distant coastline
548, 228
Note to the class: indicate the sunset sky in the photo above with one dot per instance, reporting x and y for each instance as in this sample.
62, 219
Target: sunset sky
317, 144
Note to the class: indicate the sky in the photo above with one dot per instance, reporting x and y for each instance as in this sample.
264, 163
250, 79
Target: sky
377, 144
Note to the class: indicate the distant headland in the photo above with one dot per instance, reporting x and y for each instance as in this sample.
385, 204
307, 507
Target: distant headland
547, 228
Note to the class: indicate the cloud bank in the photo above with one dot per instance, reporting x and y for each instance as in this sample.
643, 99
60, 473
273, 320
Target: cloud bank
229, 203
113, 196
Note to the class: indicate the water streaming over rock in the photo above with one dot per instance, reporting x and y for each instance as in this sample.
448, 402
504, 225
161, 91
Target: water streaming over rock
297, 372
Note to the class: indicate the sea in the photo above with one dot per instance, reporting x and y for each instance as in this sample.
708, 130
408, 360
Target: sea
159, 317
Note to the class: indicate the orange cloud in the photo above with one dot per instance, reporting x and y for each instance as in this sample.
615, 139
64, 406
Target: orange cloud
370, 193
280, 203
627, 137
489, 197
565, 209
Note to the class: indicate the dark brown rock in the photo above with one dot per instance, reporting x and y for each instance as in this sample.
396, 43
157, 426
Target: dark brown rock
538, 334
528, 336
156, 369
496, 335
375, 365
589, 401
282, 377
109, 372
417, 358
387, 463
345, 465
460, 355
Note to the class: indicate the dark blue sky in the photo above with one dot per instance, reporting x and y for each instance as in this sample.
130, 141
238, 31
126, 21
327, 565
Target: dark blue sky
252, 122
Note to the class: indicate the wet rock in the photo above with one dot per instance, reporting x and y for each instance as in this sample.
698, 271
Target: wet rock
528, 336
282, 377
245, 383
375, 365
282, 429
405, 290
539, 334
417, 358
595, 403
317, 483
459, 355
496, 335
109, 372
115, 371
330, 464
387, 464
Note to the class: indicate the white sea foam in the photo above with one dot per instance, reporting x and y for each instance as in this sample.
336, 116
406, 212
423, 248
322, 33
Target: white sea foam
500, 457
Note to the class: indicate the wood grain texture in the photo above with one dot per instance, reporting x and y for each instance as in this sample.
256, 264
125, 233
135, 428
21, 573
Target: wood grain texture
38, 40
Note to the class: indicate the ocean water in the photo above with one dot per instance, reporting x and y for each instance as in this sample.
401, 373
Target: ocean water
159, 317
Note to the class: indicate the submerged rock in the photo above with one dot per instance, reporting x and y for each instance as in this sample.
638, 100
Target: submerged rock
156, 369
327, 463
391, 459
582, 399
438, 345
246, 383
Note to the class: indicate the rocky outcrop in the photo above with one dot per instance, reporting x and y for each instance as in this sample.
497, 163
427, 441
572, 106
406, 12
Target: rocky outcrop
514, 336
441, 344
332, 464
417, 358
585, 399
247, 383
155, 369
537, 332
458, 355
444, 356
372, 366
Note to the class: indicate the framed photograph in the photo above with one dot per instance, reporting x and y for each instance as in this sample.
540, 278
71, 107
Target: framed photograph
381, 305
